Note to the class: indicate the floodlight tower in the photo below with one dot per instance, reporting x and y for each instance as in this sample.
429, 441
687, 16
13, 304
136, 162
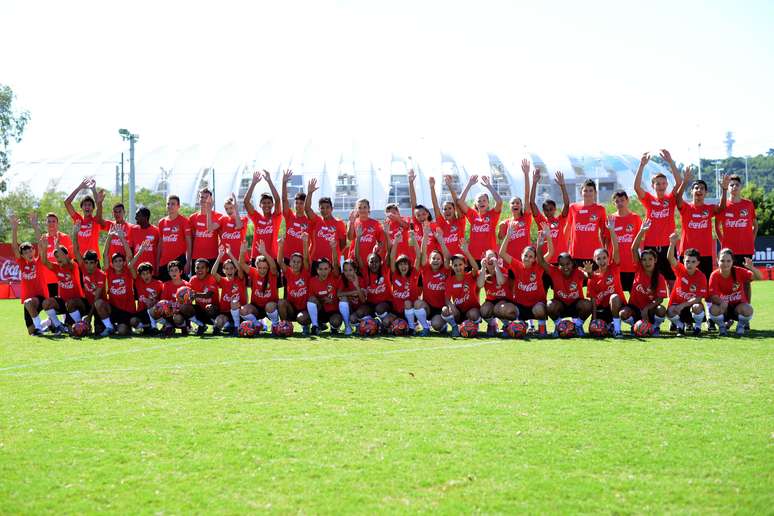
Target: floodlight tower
729, 141
132, 139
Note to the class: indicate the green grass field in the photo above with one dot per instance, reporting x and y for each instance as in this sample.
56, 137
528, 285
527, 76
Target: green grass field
390, 425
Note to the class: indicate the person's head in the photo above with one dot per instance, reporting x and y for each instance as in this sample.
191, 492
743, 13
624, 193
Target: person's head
299, 201
325, 205
392, 208
87, 205
52, 222
691, 259
174, 270
324, 268
482, 202
601, 257
549, 208
725, 260
267, 203
229, 207
61, 255
660, 183
528, 256
449, 210
487, 261
296, 262
205, 196
517, 208
142, 217
118, 261
621, 200
201, 267
363, 209
589, 191
27, 251
262, 265
698, 190
145, 270
349, 270
119, 212
229, 268
374, 262
648, 260
422, 214
403, 264
436, 260
458, 263
90, 261
566, 264
173, 205
735, 186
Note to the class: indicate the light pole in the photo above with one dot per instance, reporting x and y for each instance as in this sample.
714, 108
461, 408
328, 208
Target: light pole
717, 184
132, 139
746, 174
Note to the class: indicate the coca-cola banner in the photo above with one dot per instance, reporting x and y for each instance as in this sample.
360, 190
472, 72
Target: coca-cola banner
10, 277
764, 251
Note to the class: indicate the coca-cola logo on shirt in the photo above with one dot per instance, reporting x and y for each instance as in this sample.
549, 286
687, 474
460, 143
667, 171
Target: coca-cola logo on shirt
527, 287
65, 280
738, 223
586, 228
9, 271
479, 228
118, 287
703, 224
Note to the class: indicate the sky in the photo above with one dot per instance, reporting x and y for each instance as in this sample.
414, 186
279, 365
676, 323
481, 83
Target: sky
562, 75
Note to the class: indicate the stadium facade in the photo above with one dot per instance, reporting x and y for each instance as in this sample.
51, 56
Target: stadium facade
344, 172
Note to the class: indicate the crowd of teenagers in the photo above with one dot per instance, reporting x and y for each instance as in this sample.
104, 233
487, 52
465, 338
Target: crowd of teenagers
403, 275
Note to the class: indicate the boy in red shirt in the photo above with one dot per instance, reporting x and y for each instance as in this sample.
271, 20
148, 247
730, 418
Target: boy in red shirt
233, 227
206, 296
169, 293
296, 221
148, 294
736, 225
33, 287
175, 240
323, 227
120, 222
93, 280
205, 224
626, 226
266, 223
727, 293
88, 236
69, 299
144, 231
482, 219
54, 238
120, 287
686, 299
586, 221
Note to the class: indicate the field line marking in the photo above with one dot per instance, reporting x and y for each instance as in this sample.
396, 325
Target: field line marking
251, 361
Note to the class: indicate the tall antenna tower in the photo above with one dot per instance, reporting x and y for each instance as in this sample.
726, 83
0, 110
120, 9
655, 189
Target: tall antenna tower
730, 143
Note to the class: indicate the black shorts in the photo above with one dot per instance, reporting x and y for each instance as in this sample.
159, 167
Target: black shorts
143, 316
118, 316
603, 313
547, 283
739, 259
525, 312
432, 312
164, 273
260, 311
730, 314
27, 317
570, 310
53, 289
201, 313
686, 315
663, 261
627, 279
637, 313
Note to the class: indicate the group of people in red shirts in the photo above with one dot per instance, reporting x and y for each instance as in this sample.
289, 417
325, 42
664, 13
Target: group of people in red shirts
418, 273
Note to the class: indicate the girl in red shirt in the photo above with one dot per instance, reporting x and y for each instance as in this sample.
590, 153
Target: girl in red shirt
449, 220
604, 285
351, 295
727, 292
372, 234
33, 286
169, 293
405, 279
264, 297
324, 285
517, 229
233, 290
498, 289
483, 219
296, 274
434, 272
648, 288
686, 297
378, 286
461, 293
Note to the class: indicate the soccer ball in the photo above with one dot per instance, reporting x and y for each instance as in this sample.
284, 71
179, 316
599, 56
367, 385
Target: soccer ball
516, 329
163, 309
565, 328
80, 329
468, 329
643, 329
598, 328
184, 295
247, 329
282, 329
399, 327
368, 327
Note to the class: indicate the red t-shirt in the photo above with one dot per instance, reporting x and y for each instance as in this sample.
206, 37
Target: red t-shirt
495, 292
661, 213
93, 282
642, 294
65, 240
518, 234
737, 221
687, 286
378, 286
68, 280
463, 293
88, 235
32, 283
323, 231
140, 235
206, 290
483, 232
567, 289
205, 242
434, 285
147, 293
230, 236
729, 289
556, 224
626, 228
419, 231
453, 234
405, 289
528, 287
120, 289
169, 292
697, 228
373, 233
115, 243
231, 290
403, 246
297, 288
260, 296
585, 225
266, 230
602, 285
173, 233
294, 227
325, 290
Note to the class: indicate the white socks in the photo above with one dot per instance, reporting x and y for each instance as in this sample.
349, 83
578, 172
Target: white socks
273, 317
312, 309
53, 318
235, 317
617, 324
76, 316
153, 322
344, 311
450, 319
36, 322
677, 322
108, 324
421, 315
412, 322
698, 319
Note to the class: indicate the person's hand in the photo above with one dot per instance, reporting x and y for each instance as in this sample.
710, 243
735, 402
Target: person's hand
280, 240
398, 238
748, 262
546, 227
426, 228
674, 238
611, 224
646, 224
243, 247
725, 181
76, 227
439, 235
666, 156
411, 175
431, 180
644, 159
267, 176
559, 177
472, 180
304, 237
311, 187
688, 173
14, 221
464, 246
221, 251
100, 197
352, 216
525, 166
144, 246
332, 243
286, 175
33, 219
412, 237
448, 180
187, 267
536, 175
486, 181
257, 176
588, 267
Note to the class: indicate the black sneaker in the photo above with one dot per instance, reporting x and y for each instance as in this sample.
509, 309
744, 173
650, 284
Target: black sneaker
150, 332
201, 330
673, 327
711, 325
696, 332
216, 330
314, 330
36, 333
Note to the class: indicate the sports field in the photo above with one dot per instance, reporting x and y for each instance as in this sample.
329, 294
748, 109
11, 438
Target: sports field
390, 425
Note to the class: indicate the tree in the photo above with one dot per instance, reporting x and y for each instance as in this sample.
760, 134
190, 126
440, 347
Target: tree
12, 126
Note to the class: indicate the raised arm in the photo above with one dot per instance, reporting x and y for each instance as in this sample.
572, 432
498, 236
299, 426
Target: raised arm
481, 279
671, 256
242, 263
545, 236
237, 217
305, 243
687, 176
487, 182
434, 198
99, 201
471, 260
280, 252
724, 196
639, 190
76, 245
212, 226
274, 193
471, 181
216, 264
666, 156
638, 239
616, 255
417, 249
394, 251
412, 191
358, 234
748, 264
504, 251
68, 202
248, 199
533, 193
559, 178
525, 168
43, 252
286, 175
311, 188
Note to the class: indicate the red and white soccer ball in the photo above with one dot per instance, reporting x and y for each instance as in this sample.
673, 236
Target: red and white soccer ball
368, 327
468, 329
516, 329
80, 329
598, 328
282, 329
643, 329
399, 327
184, 295
566, 329
247, 329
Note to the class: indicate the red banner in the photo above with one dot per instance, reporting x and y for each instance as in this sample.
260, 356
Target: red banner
10, 277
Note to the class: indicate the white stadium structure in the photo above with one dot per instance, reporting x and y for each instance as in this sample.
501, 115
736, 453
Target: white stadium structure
344, 173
